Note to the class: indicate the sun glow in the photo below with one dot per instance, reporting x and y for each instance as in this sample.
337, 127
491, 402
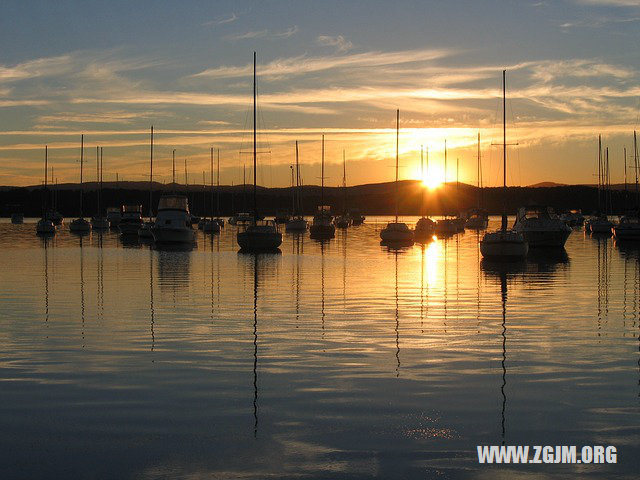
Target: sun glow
433, 176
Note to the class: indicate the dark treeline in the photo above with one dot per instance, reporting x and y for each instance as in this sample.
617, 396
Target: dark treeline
372, 199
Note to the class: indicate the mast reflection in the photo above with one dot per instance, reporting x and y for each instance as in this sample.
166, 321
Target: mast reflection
503, 271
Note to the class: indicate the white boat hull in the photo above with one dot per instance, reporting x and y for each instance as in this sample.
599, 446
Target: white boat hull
504, 246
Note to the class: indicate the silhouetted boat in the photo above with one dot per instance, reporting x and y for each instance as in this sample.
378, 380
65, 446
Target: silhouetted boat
504, 244
397, 232
541, 227
260, 235
80, 225
173, 222
144, 232
45, 226
322, 224
297, 222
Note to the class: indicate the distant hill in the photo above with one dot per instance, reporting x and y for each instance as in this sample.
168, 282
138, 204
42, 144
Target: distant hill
371, 199
546, 185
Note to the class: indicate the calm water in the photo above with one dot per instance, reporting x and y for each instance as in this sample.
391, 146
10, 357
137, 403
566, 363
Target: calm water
335, 360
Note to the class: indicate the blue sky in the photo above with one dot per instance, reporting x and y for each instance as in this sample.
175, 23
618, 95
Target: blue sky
112, 69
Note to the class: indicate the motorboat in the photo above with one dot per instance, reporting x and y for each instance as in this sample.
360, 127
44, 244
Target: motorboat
211, 226
322, 225
599, 224
541, 227
281, 217
628, 228
173, 222
397, 232
114, 216
131, 220
356, 217
242, 218
342, 221
144, 232
100, 223
45, 227
447, 226
296, 224
80, 225
425, 228
477, 219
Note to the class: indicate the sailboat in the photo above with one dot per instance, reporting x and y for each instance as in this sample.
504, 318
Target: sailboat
260, 235
477, 218
211, 225
397, 232
45, 225
446, 225
218, 218
425, 226
80, 225
504, 244
629, 226
144, 231
98, 222
322, 226
601, 223
297, 223
343, 220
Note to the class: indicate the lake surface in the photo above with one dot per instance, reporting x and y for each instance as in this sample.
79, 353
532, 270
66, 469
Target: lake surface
342, 359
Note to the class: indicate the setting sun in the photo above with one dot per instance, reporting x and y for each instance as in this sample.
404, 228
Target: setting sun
433, 177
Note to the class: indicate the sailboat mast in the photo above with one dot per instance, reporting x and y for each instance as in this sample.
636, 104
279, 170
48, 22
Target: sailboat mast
297, 181
599, 172
46, 173
504, 149
101, 159
255, 167
98, 178
445, 173
218, 185
174, 169
151, 177
211, 160
397, 151
344, 183
423, 179
322, 175
293, 192
81, 162
635, 165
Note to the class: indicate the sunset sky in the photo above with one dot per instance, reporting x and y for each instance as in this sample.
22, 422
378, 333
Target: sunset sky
112, 69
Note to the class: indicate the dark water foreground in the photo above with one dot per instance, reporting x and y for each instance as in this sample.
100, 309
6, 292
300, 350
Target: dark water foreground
335, 360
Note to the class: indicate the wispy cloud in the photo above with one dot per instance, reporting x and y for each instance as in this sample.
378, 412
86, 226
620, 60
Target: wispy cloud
303, 64
221, 20
339, 42
264, 34
40, 67
610, 3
